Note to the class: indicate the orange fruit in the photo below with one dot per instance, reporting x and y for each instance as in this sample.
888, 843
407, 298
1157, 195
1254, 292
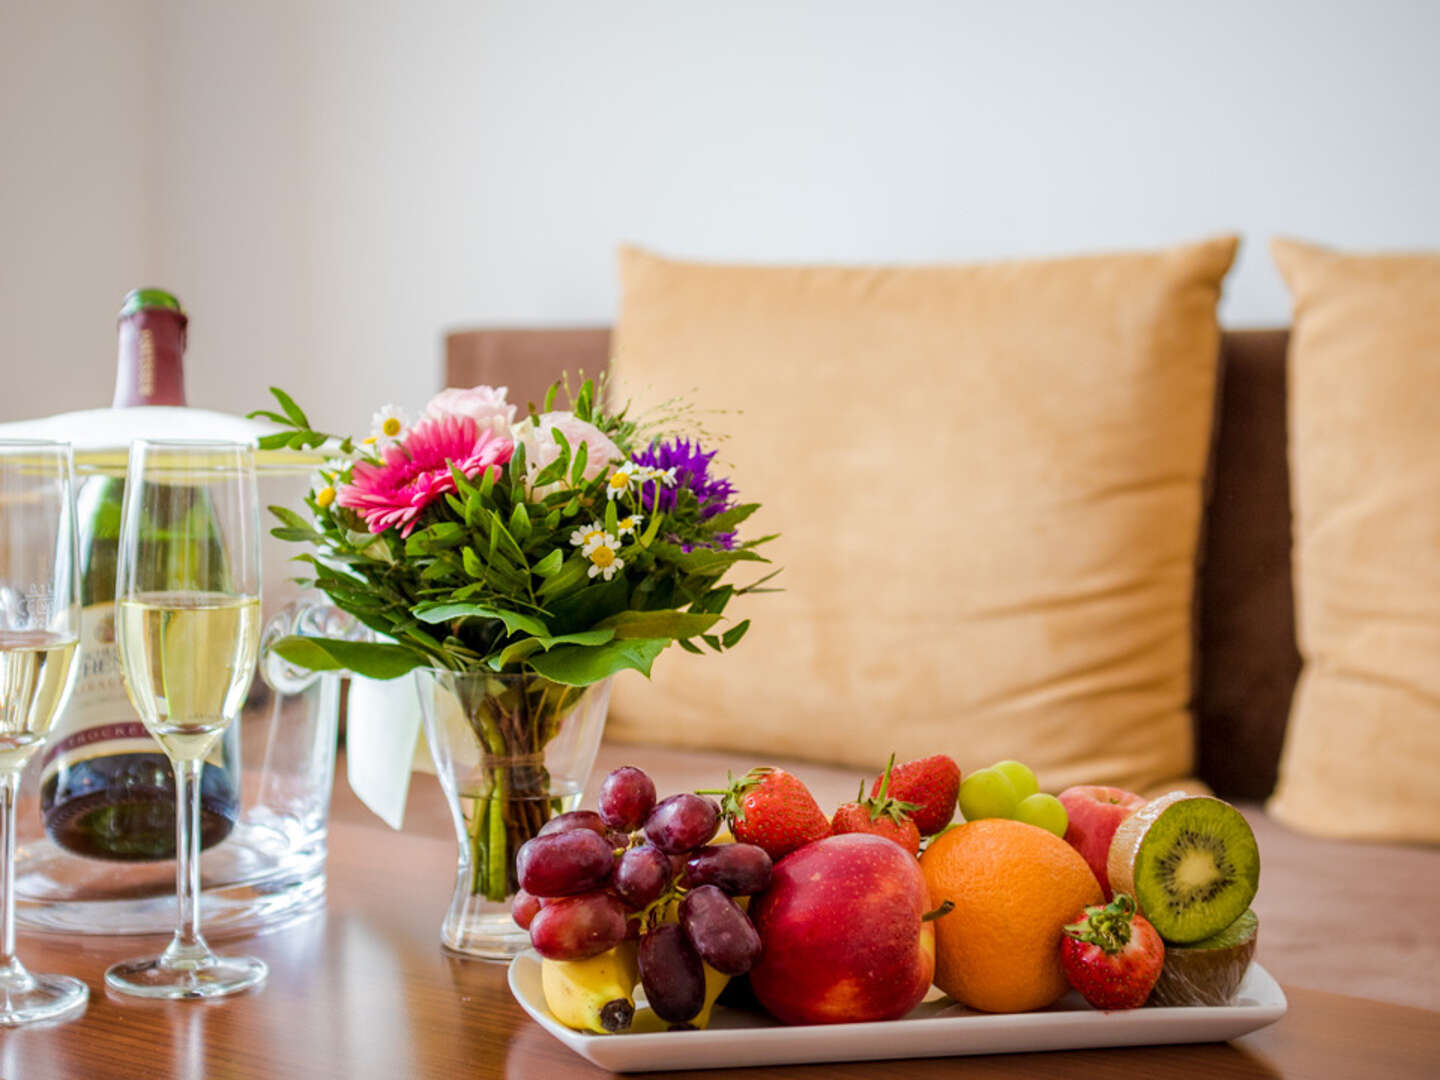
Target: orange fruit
1014, 887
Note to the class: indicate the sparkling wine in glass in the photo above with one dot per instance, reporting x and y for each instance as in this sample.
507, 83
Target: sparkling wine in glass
187, 623
39, 628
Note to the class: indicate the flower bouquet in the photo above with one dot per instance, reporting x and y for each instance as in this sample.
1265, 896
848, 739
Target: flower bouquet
521, 562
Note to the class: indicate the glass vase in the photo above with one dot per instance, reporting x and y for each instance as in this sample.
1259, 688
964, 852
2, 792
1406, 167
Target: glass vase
511, 752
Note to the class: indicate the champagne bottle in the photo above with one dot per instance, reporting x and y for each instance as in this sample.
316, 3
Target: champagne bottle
106, 789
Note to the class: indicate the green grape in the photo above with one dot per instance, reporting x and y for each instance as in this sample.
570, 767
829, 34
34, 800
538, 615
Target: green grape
1021, 776
986, 793
1046, 811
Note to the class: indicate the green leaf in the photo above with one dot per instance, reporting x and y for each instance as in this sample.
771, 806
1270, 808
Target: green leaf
275, 441
266, 414
551, 473
729, 519
654, 527
566, 452
527, 647
585, 608
584, 402
487, 482
612, 518
704, 560
690, 646
714, 601
290, 517
510, 544
577, 468
550, 564
513, 620
517, 467
732, 637
374, 660
550, 396
571, 574
292, 410
473, 566
659, 624
520, 521
580, 665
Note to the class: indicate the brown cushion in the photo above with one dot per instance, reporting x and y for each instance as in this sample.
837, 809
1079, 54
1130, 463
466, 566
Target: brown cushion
988, 483
1363, 746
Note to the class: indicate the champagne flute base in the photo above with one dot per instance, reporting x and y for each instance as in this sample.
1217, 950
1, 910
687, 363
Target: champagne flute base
35, 998
216, 976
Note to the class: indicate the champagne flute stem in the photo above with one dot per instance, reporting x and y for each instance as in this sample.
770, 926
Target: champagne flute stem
9, 789
188, 943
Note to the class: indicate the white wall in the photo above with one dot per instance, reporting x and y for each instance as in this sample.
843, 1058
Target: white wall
77, 162
343, 180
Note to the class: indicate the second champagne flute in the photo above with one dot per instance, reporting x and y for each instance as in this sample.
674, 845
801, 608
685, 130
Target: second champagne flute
187, 622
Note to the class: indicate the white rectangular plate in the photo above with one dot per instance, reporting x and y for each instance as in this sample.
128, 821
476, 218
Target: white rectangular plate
936, 1028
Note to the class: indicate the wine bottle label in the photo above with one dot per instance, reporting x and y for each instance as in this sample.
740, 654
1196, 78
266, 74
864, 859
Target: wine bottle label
99, 720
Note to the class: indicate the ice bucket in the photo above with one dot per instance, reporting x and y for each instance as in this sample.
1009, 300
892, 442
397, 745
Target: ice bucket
278, 761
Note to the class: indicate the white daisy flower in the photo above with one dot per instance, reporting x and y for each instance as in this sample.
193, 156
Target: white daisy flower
628, 526
387, 426
325, 479
621, 480
323, 489
603, 559
588, 536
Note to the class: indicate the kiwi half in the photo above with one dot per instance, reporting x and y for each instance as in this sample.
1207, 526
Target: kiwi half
1210, 971
1190, 862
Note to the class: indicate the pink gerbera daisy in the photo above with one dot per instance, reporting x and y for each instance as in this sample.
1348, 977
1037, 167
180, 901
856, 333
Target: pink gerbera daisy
417, 472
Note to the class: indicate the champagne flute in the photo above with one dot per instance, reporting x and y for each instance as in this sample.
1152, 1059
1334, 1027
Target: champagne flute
39, 629
187, 622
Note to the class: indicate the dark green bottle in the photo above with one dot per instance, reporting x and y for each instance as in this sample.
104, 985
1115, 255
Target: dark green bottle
106, 789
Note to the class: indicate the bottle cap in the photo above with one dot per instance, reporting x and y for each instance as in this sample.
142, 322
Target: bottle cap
140, 299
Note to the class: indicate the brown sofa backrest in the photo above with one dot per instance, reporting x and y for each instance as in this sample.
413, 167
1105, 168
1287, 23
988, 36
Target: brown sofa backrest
1247, 660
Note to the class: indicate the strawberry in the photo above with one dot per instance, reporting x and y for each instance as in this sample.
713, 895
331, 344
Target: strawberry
879, 815
772, 809
1112, 955
932, 784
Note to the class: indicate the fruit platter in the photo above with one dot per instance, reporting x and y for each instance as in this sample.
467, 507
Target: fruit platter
745, 926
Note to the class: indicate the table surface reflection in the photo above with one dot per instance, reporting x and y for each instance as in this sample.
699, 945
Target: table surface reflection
363, 989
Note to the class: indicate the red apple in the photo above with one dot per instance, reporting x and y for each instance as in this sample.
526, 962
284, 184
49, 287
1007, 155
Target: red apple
1095, 813
842, 933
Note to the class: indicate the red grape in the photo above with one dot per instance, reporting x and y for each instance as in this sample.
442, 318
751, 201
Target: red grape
523, 907
672, 974
577, 927
682, 822
641, 875
626, 798
564, 863
719, 930
739, 869
574, 819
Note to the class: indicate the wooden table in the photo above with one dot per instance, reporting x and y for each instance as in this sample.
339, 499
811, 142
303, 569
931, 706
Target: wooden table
364, 990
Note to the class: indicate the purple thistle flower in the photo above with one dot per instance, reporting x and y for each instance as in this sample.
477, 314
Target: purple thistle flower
692, 471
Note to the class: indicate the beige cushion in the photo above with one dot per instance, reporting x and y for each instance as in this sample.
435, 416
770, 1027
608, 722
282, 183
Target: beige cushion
1362, 753
988, 481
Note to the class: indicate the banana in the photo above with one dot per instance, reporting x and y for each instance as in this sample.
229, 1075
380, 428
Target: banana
595, 994
714, 984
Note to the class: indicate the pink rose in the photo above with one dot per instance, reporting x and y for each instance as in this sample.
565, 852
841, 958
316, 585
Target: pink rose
541, 448
486, 405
